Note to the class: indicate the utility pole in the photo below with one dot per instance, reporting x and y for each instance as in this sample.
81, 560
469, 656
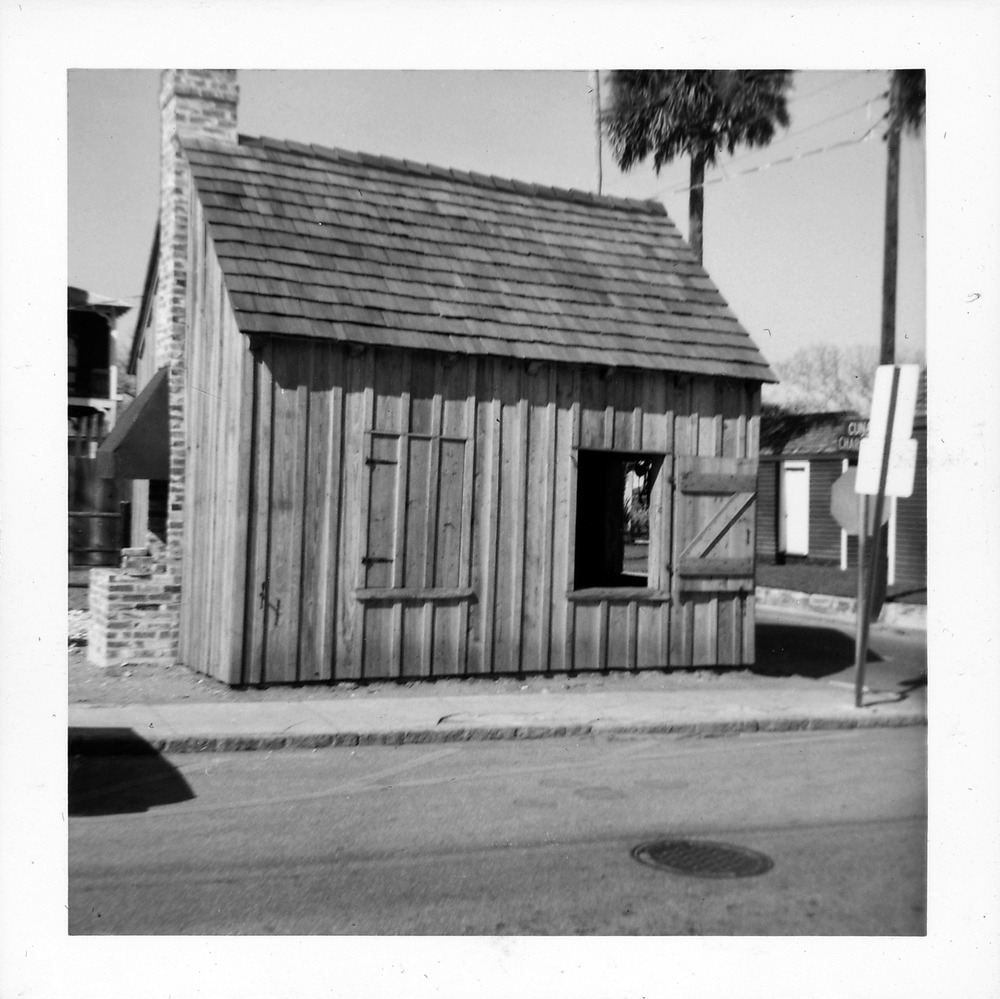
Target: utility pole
887, 353
595, 91
887, 347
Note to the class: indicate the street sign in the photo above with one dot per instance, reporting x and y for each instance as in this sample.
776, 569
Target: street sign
900, 472
894, 398
906, 400
845, 503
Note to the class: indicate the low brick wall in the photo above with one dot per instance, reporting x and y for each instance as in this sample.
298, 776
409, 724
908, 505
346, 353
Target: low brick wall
134, 612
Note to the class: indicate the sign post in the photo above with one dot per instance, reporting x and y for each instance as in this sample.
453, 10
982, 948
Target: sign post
886, 461
853, 512
860, 652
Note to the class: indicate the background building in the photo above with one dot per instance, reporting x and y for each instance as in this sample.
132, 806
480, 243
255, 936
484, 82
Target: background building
801, 456
95, 526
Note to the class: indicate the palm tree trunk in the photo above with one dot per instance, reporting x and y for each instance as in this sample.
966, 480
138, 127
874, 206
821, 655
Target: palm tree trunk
696, 203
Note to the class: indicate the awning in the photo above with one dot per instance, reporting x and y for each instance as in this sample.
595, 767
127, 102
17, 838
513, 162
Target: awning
139, 445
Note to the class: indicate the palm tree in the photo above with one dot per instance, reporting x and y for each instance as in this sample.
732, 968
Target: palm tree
695, 112
907, 98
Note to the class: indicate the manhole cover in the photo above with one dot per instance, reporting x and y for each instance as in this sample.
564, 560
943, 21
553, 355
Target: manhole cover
702, 859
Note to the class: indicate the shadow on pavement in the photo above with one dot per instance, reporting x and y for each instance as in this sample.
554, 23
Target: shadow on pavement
911, 686
115, 772
794, 650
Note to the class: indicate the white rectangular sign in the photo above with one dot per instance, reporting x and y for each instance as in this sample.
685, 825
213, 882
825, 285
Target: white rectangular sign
899, 476
906, 401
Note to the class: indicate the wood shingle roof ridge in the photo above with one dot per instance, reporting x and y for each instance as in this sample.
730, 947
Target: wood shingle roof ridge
406, 166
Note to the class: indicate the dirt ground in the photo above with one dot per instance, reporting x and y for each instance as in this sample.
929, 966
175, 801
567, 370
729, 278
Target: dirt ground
131, 684
89, 684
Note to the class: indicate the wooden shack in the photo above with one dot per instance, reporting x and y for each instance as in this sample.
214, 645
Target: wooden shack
412, 397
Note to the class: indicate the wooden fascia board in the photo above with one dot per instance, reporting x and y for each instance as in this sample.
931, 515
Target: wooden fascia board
148, 297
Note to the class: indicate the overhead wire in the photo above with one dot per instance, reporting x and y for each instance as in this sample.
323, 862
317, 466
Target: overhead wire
794, 134
808, 128
843, 143
829, 86
722, 165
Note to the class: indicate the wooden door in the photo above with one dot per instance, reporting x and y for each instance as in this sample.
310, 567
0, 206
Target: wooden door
794, 535
714, 536
277, 510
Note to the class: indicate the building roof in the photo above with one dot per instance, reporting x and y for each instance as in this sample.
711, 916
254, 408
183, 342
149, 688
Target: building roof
786, 432
325, 243
802, 433
88, 301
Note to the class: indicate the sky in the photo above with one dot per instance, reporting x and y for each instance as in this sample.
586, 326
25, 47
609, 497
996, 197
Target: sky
793, 231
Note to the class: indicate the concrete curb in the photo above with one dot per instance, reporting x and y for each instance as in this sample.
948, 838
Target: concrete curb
97, 742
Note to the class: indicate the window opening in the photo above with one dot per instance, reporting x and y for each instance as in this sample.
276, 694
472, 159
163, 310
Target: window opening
613, 518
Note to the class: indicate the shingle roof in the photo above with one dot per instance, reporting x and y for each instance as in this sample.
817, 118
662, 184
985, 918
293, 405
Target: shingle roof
326, 243
802, 433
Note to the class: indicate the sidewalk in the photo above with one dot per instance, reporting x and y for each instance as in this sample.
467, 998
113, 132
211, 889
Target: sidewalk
761, 704
680, 703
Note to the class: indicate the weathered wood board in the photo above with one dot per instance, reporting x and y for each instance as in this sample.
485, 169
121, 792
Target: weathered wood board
386, 514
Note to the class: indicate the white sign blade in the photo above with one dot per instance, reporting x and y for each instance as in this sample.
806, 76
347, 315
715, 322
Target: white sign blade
906, 401
902, 467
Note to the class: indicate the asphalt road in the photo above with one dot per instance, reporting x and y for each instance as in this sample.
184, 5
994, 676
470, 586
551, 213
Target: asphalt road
824, 649
504, 838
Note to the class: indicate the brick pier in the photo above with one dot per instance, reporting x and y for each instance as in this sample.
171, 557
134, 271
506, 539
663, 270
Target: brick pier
134, 612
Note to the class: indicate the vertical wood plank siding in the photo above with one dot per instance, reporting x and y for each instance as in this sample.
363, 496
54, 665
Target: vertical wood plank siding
218, 463
413, 514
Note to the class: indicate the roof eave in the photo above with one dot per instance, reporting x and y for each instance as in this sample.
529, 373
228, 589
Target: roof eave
148, 295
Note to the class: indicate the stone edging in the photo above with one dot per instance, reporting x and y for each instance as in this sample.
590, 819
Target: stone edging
99, 743
843, 608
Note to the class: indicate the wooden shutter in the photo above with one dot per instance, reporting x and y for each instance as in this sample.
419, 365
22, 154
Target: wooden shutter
416, 523
381, 548
715, 529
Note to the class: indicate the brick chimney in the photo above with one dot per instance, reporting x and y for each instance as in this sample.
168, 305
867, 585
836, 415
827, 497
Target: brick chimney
135, 609
194, 103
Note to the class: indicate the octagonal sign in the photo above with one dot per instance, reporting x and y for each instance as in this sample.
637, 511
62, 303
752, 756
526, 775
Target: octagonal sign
844, 504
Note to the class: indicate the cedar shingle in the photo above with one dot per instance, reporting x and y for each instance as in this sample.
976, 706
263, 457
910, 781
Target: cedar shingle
347, 246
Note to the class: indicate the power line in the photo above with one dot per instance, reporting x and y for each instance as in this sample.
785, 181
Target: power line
829, 86
794, 134
840, 114
773, 163
808, 128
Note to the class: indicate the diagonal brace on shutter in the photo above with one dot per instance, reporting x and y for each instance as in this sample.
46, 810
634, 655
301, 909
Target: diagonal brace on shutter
727, 515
